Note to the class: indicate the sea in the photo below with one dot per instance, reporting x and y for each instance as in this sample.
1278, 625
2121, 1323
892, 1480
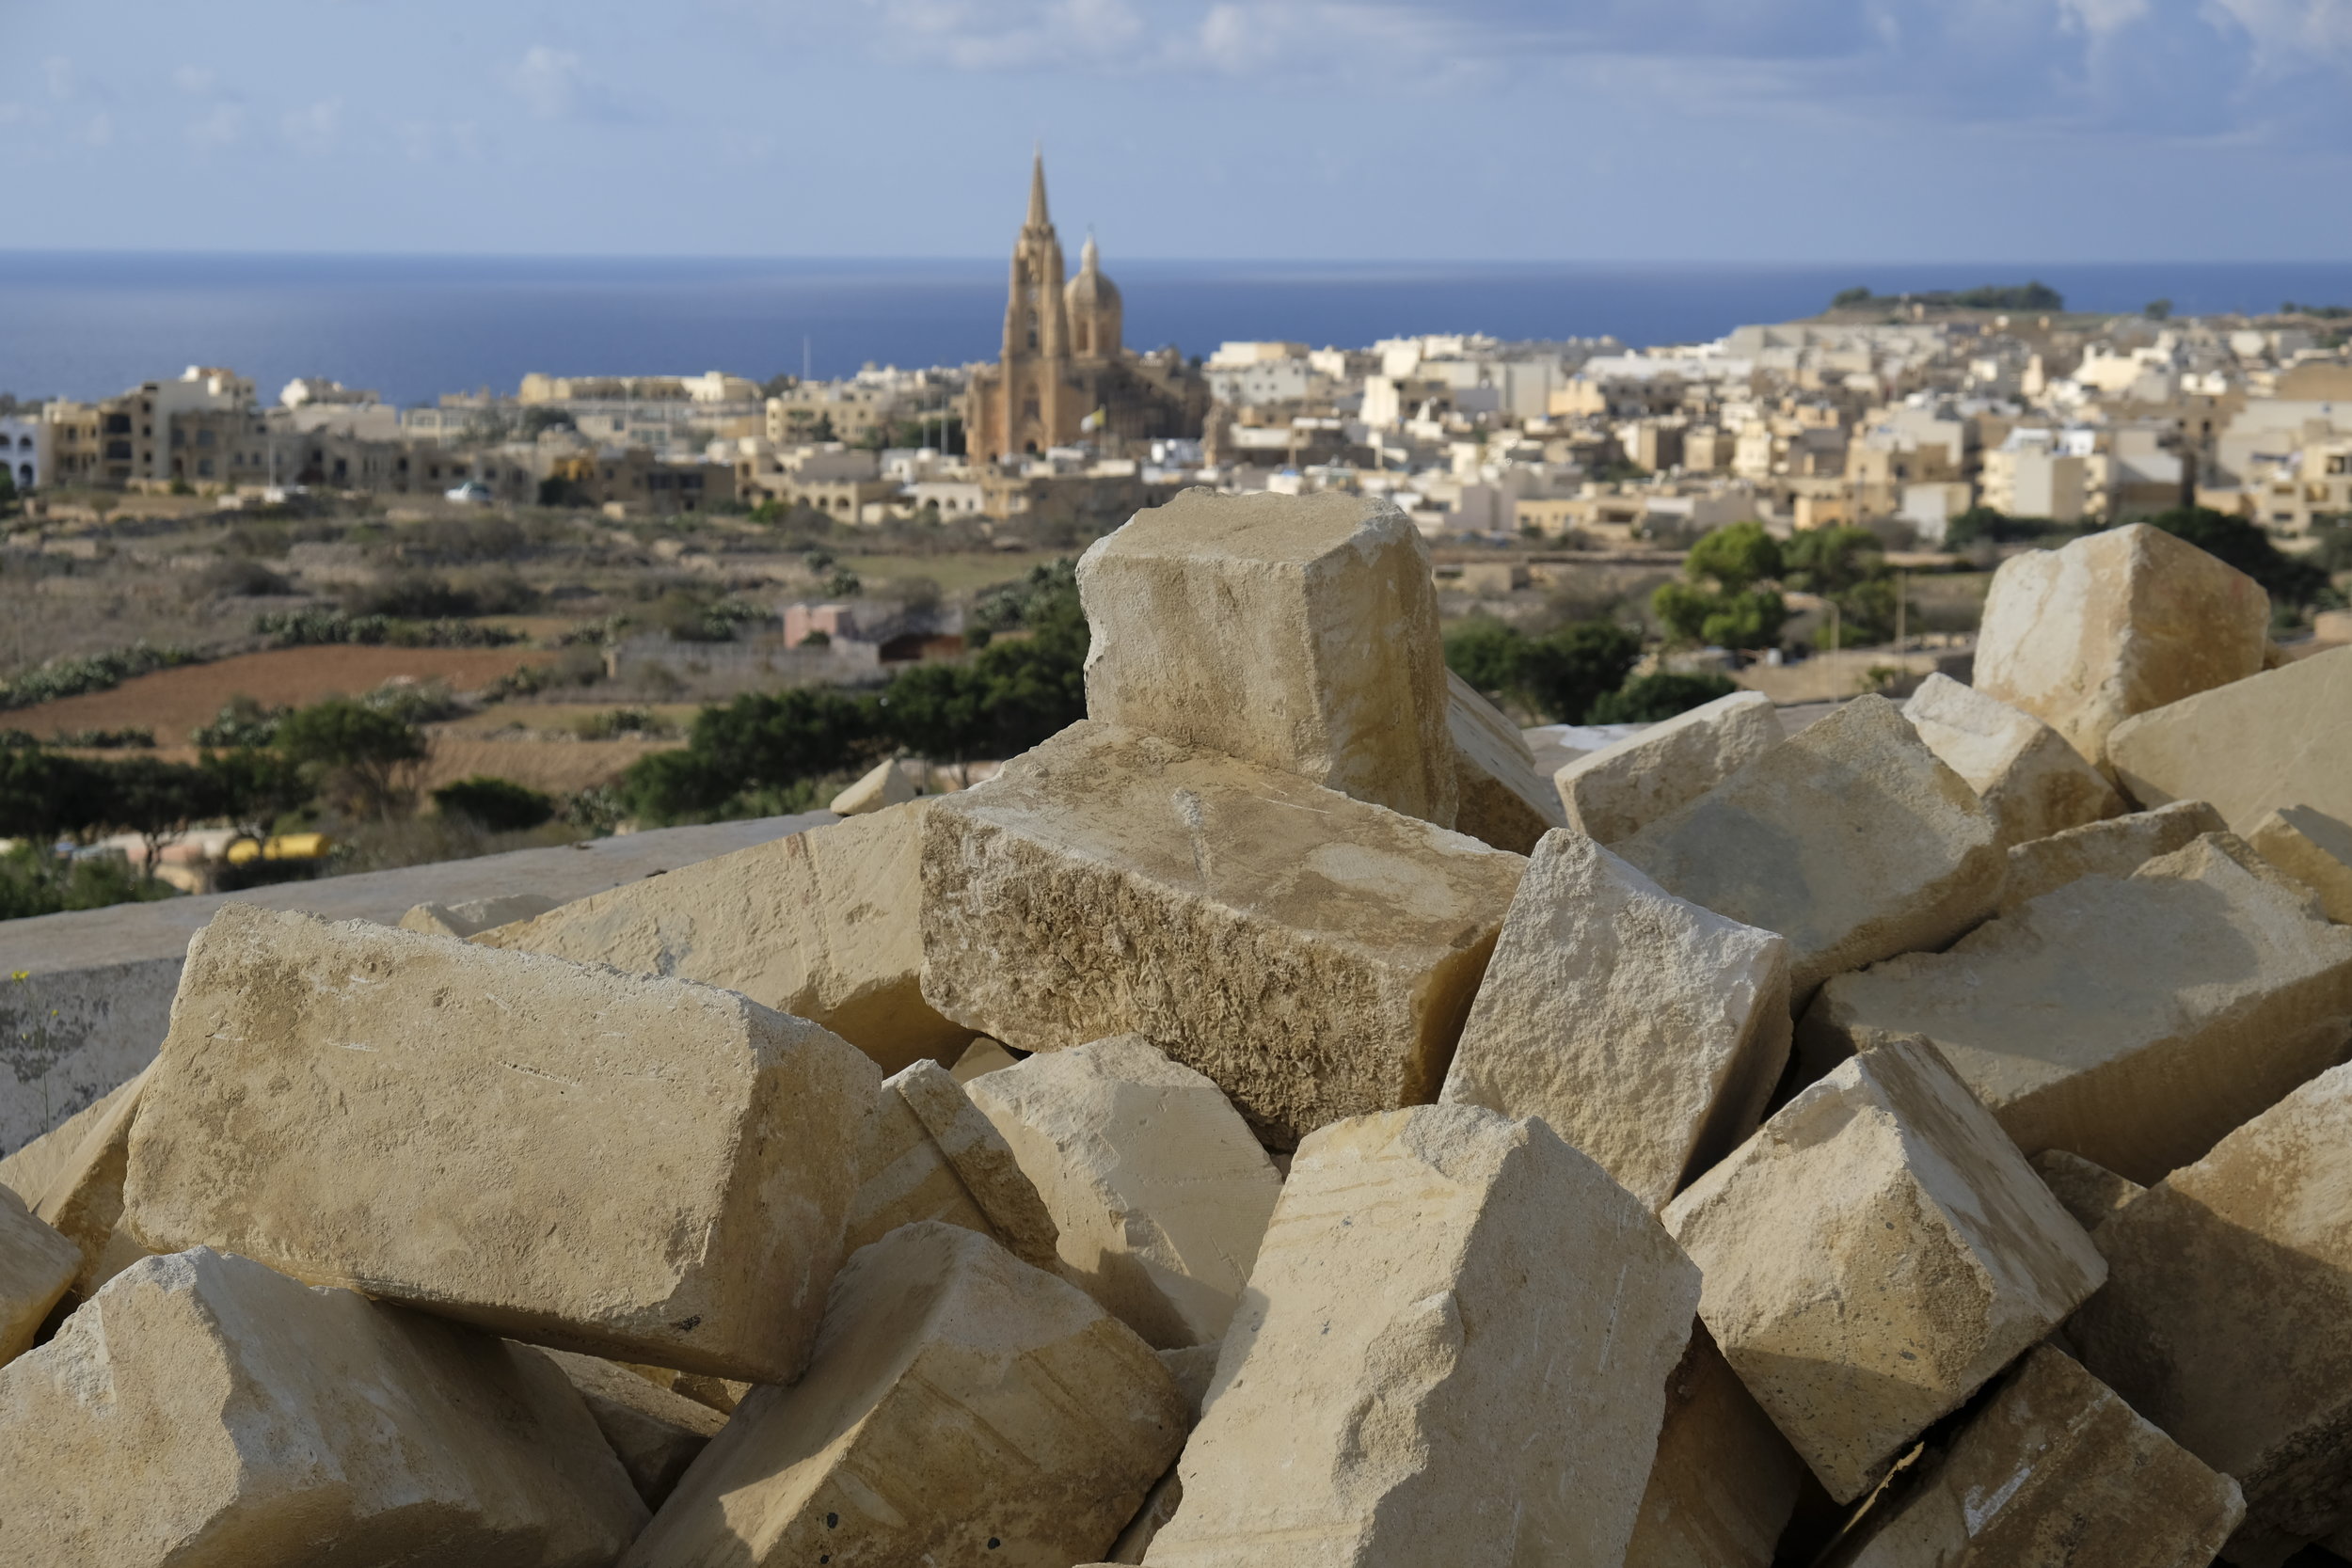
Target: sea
89, 324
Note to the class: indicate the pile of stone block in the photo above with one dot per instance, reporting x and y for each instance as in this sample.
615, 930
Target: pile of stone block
1271, 1123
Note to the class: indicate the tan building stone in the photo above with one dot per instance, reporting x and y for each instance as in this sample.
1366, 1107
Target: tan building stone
2089, 1191
475, 915
83, 1200
1615, 792
654, 1432
885, 784
1501, 798
1647, 1031
2032, 781
903, 1175
2114, 847
37, 1267
2251, 748
1725, 1480
984, 1162
982, 1055
638, 1168
1312, 954
28, 1171
1874, 1255
2313, 849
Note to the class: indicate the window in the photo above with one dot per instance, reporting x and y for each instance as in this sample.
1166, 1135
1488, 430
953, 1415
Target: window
204, 468
118, 424
118, 452
203, 437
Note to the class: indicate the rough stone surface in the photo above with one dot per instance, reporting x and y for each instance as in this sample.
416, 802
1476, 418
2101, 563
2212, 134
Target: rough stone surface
83, 1200
1501, 799
1312, 954
1852, 840
904, 1176
1454, 1349
475, 915
2054, 1472
1725, 1480
2227, 1319
1647, 1031
2090, 1193
982, 1055
2132, 1021
36, 1266
634, 1167
202, 1410
1159, 1190
656, 1434
2277, 739
1297, 632
28, 1172
1874, 1255
2114, 625
1615, 792
962, 1408
885, 784
984, 1162
2116, 848
821, 925
2313, 849
2027, 774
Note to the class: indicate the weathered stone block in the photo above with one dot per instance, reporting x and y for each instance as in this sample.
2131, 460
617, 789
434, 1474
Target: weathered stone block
2132, 1021
2027, 774
28, 1172
1875, 1254
1453, 1348
1501, 799
984, 1162
202, 1409
475, 915
2313, 849
884, 784
982, 1055
1157, 1188
962, 1407
653, 1432
2276, 740
2116, 848
822, 924
1312, 954
2114, 625
1298, 632
1615, 792
1725, 1480
1852, 840
36, 1266
633, 1167
903, 1175
2227, 1317
1647, 1031
84, 1199
2090, 1193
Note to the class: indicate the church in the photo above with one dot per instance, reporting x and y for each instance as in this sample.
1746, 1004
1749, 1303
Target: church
1065, 376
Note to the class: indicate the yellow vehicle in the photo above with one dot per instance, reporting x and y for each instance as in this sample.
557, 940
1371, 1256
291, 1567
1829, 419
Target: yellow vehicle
280, 847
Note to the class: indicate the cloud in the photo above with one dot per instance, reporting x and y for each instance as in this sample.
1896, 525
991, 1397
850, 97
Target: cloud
555, 84
314, 129
196, 80
221, 126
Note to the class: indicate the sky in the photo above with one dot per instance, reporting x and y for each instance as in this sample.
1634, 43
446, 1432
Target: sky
1501, 129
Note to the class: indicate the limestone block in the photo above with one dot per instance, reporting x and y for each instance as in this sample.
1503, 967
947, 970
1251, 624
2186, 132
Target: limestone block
2114, 847
1297, 632
1312, 954
1158, 1189
2132, 1021
1852, 840
2027, 774
475, 915
903, 1177
202, 1409
1454, 1349
2277, 739
822, 924
37, 1265
2313, 849
962, 1407
1615, 792
1725, 1480
2090, 1193
655, 1432
982, 1055
1645, 1030
984, 1162
2227, 1319
1501, 799
885, 784
2116, 623
28, 1171
2053, 1472
1874, 1255
83, 1200
634, 1167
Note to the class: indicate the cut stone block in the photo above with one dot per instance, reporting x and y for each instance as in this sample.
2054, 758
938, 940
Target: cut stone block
2114, 625
1192, 1367
962, 1408
202, 1409
1501, 799
2227, 1319
638, 1168
885, 784
822, 924
28, 1171
1297, 632
2027, 774
83, 1200
475, 915
1158, 1189
2132, 1021
984, 1162
1312, 954
656, 1434
1615, 792
2090, 1193
2277, 739
2053, 1472
1852, 840
982, 1055
1725, 1480
903, 1177
2116, 848
36, 1266
1874, 1255
2313, 849
1454, 1349
1647, 1031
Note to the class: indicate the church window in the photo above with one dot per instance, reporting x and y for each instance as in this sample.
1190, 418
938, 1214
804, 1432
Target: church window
1033, 330
1086, 336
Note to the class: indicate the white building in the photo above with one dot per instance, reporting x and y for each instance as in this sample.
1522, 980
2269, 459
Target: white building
24, 451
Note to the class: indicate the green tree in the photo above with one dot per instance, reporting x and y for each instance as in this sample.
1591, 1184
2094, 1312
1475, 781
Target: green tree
498, 805
2158, 310
1726, 599
2288, 579
45, 794
156, 800
1488, 654
1564, 673
257, 785
760, 740
354, 753
1647, 699
1735, 557
940, 712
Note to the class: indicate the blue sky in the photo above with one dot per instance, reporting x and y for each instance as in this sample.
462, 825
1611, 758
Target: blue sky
1602, 129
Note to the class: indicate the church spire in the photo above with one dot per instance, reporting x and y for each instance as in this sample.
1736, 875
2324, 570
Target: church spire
1037, 192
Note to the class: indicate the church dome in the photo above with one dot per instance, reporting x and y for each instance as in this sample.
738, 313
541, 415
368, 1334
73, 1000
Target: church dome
1090, 289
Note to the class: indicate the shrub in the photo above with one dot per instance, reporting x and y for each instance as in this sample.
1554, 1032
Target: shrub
500, 805
1647, 699
71, 678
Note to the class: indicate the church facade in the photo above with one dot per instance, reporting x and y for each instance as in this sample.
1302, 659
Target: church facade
1065, 375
